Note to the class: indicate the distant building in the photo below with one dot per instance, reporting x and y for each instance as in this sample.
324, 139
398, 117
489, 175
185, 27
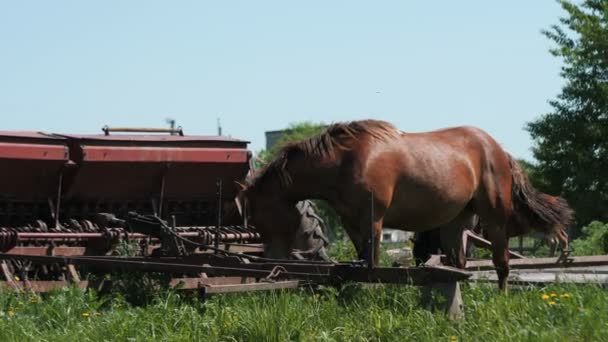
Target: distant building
394, 235
272, 137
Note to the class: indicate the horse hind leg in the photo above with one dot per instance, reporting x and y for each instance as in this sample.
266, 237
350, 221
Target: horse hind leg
496, 228
494, 209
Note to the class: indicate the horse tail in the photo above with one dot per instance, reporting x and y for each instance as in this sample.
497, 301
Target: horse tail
534, 209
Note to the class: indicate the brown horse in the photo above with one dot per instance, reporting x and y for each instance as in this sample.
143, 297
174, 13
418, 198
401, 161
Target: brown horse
418, 180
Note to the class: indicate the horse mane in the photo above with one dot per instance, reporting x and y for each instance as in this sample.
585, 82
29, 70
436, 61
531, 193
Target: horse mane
338, 136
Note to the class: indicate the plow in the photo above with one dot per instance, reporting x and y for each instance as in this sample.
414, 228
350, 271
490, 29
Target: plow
76, 207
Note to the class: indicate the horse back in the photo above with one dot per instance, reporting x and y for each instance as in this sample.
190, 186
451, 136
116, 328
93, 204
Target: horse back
430, 177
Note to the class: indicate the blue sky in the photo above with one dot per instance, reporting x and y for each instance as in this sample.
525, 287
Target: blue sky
74, 66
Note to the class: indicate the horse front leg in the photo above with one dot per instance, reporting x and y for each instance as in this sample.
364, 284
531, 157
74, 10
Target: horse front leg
355, 236
360, 224
360, 236
377, 229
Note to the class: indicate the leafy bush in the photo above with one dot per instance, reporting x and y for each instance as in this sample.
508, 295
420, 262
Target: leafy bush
593, 241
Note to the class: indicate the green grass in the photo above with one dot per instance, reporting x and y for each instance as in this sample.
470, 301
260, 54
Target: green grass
354, 313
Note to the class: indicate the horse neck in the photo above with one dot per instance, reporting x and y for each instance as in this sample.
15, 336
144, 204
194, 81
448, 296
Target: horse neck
311, 178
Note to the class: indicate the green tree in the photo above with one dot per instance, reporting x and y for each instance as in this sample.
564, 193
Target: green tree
296, 132
534, 174
571, 142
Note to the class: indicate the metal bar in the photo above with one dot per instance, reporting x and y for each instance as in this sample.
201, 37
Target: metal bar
543, 278
106, 130
46, 152
206, 286
218, 289
531, 263
132, 154
194, 283
398, 275
72, 274
162, 195
219, 214
51, 207
146, 266
58, 206
521, 244
80, 251
222, 261
479, 241
371, 242
329, 273
47, 250
434, 260
27, 236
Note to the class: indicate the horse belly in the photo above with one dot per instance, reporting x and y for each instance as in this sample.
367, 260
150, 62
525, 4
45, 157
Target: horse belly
416, 208
432, 178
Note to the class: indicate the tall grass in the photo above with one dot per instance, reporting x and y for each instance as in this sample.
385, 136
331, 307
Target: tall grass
353, 313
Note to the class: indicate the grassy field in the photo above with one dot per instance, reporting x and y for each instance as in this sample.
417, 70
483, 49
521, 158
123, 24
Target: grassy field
354, 313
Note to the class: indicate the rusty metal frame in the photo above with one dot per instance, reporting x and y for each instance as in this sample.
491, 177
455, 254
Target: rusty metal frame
536, 263
301, 273
470, 237
23, 151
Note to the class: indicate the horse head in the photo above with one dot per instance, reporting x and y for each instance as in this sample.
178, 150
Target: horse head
287, 228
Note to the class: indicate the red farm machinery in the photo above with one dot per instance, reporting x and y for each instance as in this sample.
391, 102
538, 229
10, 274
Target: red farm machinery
71, 204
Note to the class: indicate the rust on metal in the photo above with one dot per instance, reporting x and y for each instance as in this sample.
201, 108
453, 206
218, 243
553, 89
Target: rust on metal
163, 154
481, 242
33, 151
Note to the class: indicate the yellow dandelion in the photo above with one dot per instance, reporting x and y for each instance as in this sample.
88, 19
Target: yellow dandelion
86, 314
453, 338
566, 295
551, 302
553, 295
545, 297
34, 300
17, 278
10, 312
